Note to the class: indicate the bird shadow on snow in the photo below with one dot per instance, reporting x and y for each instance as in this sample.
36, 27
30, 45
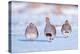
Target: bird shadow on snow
34, 40
59, 37
25, 40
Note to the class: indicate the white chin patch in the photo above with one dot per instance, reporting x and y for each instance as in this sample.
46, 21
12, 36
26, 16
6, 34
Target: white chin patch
66, 34
31, 36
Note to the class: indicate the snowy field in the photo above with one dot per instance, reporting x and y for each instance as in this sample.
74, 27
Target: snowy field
23, 14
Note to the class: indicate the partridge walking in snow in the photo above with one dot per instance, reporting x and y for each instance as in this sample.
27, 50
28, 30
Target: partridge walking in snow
50, 30
31, 32
66, 29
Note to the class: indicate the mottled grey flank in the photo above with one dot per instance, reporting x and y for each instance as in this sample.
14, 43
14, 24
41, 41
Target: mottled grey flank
50, 30
66, 27
31, 29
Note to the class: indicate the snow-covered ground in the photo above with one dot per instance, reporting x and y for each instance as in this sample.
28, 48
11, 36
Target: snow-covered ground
26, 14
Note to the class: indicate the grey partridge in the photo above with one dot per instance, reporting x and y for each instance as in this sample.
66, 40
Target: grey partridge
50, 30
66, 29
31, 32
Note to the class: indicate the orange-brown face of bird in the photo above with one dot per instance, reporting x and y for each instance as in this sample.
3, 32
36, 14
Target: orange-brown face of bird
31, 25
66, 22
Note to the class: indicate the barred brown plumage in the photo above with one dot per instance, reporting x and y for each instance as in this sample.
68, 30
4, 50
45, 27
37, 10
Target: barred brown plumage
31, 32
50, 30
66, 29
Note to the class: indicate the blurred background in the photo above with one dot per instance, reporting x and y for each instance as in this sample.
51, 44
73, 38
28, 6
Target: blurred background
22, 13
